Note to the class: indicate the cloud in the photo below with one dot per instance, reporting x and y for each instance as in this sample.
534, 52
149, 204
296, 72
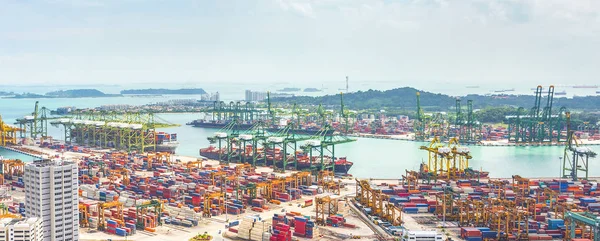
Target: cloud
77, 3
458, 41
304, 8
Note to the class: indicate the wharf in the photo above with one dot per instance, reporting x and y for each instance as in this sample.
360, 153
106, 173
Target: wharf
24, 151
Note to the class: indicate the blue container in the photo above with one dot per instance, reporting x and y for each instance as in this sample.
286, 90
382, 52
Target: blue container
474, 239
489, 234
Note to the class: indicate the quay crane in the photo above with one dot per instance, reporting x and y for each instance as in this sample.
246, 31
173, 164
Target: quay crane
8, 134
36, 124
128, 131
321, 144
419, 123
576, 158
540, 125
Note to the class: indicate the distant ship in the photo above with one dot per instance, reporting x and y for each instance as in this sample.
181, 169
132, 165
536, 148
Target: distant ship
585, 86
597, 91
502, 91
561, 93
312, 90
289, 90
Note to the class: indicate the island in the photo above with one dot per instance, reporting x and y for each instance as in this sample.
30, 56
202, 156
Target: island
76, 93
312, 90
287, 89
195, 91
4, 93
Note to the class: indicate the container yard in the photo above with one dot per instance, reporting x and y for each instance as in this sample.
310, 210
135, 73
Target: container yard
259, 184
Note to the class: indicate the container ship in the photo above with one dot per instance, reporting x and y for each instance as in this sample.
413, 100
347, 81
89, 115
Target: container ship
166, 142
585, 86
309, 131
561, 93
341, 164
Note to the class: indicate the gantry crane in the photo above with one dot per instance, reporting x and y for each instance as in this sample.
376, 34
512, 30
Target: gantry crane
378, 202
589, 220
194, 164
10, 168
8, 134
84, 216
154, 205
107, 205
208, 197
160, 158
575, 158
321, 145
419, 123
438, 156
36, 124
109, 129
325, 207
540, 125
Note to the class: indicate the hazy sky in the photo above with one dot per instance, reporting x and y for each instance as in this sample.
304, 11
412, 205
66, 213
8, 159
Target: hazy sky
407, 41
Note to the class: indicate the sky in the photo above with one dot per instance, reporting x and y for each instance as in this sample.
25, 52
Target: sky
403, 42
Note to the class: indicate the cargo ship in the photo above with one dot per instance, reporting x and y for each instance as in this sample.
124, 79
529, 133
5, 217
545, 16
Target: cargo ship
585, 87
166, 142
309, 131
561, 93
341, 164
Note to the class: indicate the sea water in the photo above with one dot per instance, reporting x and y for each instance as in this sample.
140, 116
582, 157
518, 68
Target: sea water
372, 157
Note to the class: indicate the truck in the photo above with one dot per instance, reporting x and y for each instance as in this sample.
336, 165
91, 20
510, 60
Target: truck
422, 236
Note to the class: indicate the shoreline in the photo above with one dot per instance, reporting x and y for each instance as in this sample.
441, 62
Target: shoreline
501, 143
77, 156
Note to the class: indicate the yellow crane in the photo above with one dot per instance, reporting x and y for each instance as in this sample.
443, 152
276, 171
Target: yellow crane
84, 216
378, 203
437, 157
108, 205
8, 133
207, 203
11, 168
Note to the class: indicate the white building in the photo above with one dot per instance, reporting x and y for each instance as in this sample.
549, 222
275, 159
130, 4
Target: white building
22, 229
51, 190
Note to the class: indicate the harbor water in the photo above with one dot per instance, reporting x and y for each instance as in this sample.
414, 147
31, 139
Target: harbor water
377, 158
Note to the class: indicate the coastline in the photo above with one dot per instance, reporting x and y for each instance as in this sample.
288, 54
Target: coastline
501, 143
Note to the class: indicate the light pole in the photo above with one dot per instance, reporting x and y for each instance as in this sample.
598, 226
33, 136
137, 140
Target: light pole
444, 209
262, 235
559, 167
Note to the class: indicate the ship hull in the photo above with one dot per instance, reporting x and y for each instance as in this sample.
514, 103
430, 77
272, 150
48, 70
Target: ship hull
339, 168
163, 148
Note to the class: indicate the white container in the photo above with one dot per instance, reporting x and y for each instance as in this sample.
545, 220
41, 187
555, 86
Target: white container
313, 142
